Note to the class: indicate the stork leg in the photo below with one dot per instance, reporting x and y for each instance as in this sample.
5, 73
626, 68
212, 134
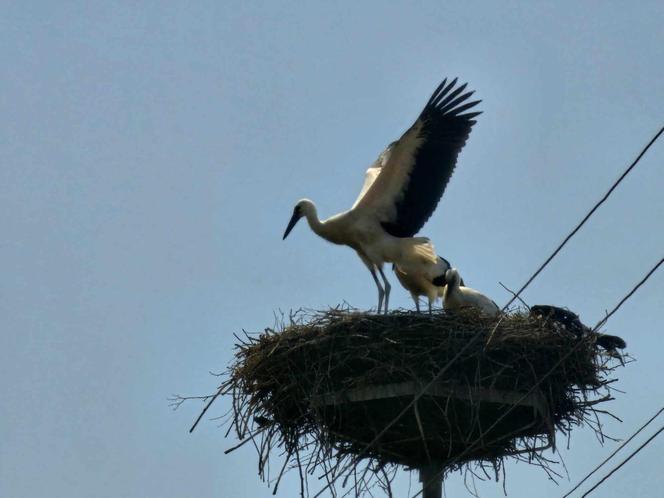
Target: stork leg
417, 302
429, 306
381, 292
387, 288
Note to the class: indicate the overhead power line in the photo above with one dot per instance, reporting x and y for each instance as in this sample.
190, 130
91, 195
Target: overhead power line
585, 218
624, 461
625, 443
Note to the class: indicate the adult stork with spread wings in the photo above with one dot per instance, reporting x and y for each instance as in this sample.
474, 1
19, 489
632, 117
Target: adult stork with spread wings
401, 190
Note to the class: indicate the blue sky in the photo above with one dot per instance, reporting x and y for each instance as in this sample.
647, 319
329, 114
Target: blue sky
152, 152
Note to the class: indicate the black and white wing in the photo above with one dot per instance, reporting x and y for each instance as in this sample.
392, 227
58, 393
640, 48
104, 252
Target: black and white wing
405, 184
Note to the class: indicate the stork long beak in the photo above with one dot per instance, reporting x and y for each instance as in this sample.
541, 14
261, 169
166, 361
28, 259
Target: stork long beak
293, 221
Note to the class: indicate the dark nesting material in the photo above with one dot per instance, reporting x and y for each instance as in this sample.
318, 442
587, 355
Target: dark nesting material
323, 389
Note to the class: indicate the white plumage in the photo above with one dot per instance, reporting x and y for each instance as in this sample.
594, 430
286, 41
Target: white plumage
401, 191
456, 296
418, 284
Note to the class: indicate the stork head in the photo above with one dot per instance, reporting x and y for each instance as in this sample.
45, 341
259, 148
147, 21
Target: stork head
301, 209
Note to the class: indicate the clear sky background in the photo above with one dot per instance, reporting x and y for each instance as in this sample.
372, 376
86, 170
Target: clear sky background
150, 157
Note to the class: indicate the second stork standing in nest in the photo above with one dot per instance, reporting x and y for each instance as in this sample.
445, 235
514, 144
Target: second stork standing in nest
418, 284
401, 190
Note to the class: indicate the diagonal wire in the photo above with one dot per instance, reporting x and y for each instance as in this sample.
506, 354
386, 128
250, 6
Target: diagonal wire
563, 358
624, 461
585, 218
625, 443
476, 337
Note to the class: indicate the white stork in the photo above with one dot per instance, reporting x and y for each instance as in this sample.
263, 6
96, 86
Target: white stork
455, 296
401, 190
417, 283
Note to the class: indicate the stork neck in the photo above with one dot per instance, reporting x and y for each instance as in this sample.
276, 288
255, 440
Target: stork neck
316, 225
332, 229
455, 284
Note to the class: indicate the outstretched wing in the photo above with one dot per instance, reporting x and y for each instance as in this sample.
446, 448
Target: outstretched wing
373, 172
405, 184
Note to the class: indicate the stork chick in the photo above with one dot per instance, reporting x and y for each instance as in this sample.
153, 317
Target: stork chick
455, 296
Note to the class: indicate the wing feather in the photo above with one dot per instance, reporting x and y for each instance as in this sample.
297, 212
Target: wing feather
405, 184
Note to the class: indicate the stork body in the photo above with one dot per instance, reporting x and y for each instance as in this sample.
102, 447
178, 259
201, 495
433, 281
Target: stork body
456, 296
418, 284
401, 191
373, 245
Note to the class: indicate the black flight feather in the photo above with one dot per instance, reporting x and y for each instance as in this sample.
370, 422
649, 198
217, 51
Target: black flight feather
444, 132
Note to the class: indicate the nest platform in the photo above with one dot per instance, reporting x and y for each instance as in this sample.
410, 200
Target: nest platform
337, 389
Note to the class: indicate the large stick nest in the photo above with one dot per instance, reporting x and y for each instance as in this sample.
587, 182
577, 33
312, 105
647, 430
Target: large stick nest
337, 389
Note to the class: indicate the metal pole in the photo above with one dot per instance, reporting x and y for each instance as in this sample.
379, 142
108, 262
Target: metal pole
431, 478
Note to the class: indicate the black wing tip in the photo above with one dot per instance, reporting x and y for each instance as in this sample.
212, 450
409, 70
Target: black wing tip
441, 90
457, 111
470, 116
446, 100
436, 92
